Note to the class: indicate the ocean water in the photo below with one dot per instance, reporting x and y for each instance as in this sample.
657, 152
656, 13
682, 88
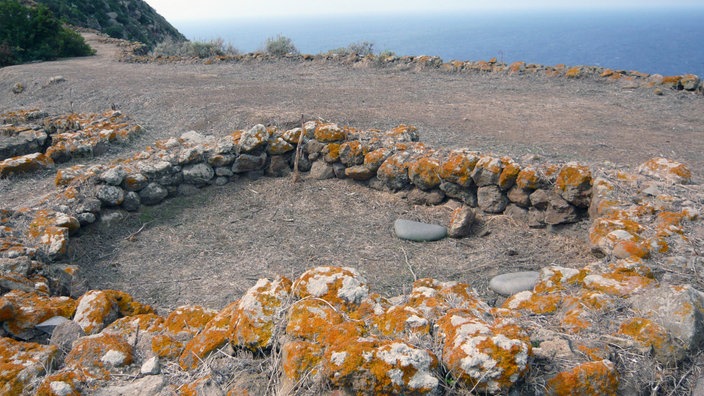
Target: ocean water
667, 42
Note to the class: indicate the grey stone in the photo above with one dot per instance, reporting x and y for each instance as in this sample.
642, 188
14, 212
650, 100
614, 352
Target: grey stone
304, 163
85, 218
467, 195
223, 171
92, 205
540, 199
321, 171
198, 174
153, 194
514, 282
134, 182
359, 172
56, 80
25, 142
420, 197
313, 147
65, 334
313, 157
419, 232
339, 170
536, 218
221, 160
170, 179
110, 195
278, 166
254, 138
19, 265
50, 324
517, 213
151, 385
247, 162
680, 311
155, 169
461, 222
150, 366
113, 176
519, 196
187, 190
221, 180
560, 211
195, 138
484, 177
131, 202
490, 199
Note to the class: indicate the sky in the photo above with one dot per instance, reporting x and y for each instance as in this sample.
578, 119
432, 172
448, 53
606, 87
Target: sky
188, 10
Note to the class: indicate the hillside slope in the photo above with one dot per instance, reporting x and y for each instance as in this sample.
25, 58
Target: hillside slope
126, 19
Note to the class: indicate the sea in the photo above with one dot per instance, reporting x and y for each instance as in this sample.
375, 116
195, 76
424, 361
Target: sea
663, 41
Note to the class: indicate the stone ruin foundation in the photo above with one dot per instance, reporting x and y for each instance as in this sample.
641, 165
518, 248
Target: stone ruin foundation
327, 329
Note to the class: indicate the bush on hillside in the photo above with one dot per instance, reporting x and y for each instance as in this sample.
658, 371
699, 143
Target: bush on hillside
29, 34
362, 48
280, 46
197, 49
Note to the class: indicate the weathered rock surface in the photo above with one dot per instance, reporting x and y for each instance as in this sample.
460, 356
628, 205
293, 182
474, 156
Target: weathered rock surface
514, 282
419, 232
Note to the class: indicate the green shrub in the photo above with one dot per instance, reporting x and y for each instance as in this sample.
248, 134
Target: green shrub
362, 48
198, 49
280, 46
28, 34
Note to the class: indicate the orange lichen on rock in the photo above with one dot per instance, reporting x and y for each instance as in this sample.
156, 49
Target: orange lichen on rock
666, 169
331, 152
253, 321
554, 279
353, 153
509, 174
618, 283
434, 298
180, 326
329, 133
21, 363
424, 173
25, 163
573, 72
214, 335
399, 320
592, 378
300, 359
528, 179
374, 159
539, 304
458, 166
96, 355
31, 308
575, 320
67, 382
652, 335
490, 356
574, 183
309, 317
98, 308
343, 287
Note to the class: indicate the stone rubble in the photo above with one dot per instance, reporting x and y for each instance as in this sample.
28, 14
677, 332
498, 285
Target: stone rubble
328, 322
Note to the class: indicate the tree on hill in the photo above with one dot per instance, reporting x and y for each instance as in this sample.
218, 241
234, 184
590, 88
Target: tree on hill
33, 33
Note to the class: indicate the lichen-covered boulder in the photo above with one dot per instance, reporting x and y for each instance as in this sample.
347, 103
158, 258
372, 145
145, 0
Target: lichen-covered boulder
461, 222
488, 355
214, 335
666, 169
110, 195
21, 364
22, 311
329, 133
592, 378
353, 153
574, 183
434, 298
95, 356
343, 287
491, 199
254, 319
393, 172
308, 318
424, 173
653, 336
253, 139
198, 174
487, 171
25, 163
181, 325
98, 308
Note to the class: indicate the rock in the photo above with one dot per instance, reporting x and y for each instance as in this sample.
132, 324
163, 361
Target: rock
560, 211
339, 170
91, 205
517, 213
224, 171
492, 355
519, 196
56, 80
221, 181
22, 364
65, 334
23, 311
25, 163
329, 133
213, 336
98, 308
113, 176
253, 139
514, 282
252, 323
85, 218
278, 166
247, 162
131, 202
374, 159
110, 195
153, 194
304, 162
394, 173
342, 287
420, 197
592, 378
151, 385
487, 171
198, 174
352, 153
466, 195
457, 168
50, 324
419, 232
490, 199
540, 199
150, 366
134, 182
679, 310
461, 222
424, 173
666, 169
574, 184
321, 171
359, 172
180, 326
95, 356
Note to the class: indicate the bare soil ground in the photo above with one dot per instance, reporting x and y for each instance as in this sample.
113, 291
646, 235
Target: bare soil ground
209, 248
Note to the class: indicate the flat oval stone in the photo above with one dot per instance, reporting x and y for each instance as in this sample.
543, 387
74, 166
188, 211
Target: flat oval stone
514, 282
419, 232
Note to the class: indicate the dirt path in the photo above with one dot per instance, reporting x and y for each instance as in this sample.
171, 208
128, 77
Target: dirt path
209, 248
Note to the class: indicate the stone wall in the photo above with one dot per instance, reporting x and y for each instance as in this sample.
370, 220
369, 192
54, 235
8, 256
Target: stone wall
328, 323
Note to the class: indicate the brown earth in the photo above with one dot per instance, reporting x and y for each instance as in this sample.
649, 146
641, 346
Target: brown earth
209, 248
